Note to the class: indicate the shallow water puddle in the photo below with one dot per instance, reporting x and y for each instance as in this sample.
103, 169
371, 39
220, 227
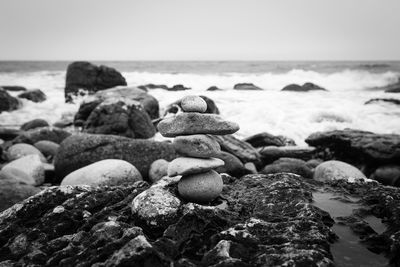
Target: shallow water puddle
348, 251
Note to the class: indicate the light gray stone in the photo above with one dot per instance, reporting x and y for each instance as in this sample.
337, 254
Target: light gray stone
186, 165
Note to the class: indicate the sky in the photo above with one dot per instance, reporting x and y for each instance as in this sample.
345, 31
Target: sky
199, 30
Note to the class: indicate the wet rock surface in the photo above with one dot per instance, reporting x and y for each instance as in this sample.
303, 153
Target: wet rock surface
264, 220
7, 102
35, 95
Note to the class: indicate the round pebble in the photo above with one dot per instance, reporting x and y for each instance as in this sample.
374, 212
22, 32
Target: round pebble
193, 103
201, 187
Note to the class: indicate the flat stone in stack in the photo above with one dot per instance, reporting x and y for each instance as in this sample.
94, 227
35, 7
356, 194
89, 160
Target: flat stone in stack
199, 182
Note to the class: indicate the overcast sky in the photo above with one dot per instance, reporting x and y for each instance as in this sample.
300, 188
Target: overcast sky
200, 30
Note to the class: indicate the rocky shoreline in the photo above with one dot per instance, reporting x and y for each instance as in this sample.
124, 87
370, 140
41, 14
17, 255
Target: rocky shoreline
129, 212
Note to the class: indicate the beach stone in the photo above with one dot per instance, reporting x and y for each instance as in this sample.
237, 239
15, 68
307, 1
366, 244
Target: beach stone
156, 206
153, 86
246, 86
233, 166
8, 102
158, 169
196, 123
8, 134
13, 88
89, 77
178, 87
81, 150
387, 175
36, 123
20, 150
48, 148
32, 136
193, 103
120, 116
12, 191
35, 95
304, 88
337, 170
267, 139
186, 165
104, 172
213, 88
176, 106
197, 145
383, 100
289, 165
200, 187
243, 150
28, 169
271, 153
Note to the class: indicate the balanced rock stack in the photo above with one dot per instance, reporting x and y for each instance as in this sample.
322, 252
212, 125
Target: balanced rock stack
191, 129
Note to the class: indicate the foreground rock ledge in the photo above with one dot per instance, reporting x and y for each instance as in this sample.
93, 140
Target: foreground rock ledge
268, 220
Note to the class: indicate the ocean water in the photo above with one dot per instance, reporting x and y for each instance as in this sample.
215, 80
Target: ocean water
295, 115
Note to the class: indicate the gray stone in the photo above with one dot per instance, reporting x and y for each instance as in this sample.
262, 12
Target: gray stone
158, 169
186, 165
36, 123
44, 133
8, 102
195, 123
272, 153
198, 146
20, 150
289, 165
35, 95
48, 148
387, 175
337, 170
233, 165
193, 103
28, 169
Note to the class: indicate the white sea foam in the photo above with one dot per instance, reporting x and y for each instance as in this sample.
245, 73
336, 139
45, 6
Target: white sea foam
287, 113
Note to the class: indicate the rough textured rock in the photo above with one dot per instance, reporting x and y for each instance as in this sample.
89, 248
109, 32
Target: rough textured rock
266, 139
8, 102
296, 166
197, 145
266, 220
20, 150
176, 106
246, 86
187, 165
104, 172
12, 192
81, 150
195, 123
35, 95
86, 76
44, 133
272, 153
337, 170
120, 117
358, 147
304, 88
28, 169
242, 150
36, 123
384, 100
158, 169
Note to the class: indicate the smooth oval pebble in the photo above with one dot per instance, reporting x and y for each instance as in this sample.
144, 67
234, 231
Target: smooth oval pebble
197, 145
186, 165
193, 103
337, 170
200, 187
21, 150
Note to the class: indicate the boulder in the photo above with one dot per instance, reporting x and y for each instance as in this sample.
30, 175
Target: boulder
8, 134
48, 148
122, 117
387, 175
176, 106
13, 88
246, 86
232, 166
304, 88
272, 153
293, 87
12, 191
35, 95
158, 169
154, 86
21, 150
195, 123
8, 102
28, 169
35, 123
392, 88
32, 136
266, 139
358, 147
337, 170
242, 150
213, 88
289, 165
104, 172
81, 150
89, 77
383, 100
312, 87
178, 87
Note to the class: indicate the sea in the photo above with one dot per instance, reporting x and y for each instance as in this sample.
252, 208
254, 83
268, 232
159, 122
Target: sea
294, 114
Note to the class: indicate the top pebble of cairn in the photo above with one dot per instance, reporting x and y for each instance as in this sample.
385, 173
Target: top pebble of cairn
194, 103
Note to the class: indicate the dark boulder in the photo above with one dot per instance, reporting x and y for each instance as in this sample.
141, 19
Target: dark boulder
233, 166
8, 102
81, 150
392, 88
176, 106
43, 133
271, 153
293, 87
358, 147
243, 150
387, 175
289, 165
384, 100
8, 134
36, 123
84, 111
154, 86
304, 88
312, 87
13, 88
120, 117
91, 78
266, 139
178, 87
36, 95
213, 88
246, 86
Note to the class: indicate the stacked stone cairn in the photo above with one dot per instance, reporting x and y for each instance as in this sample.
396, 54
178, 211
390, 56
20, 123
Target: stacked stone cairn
192, 129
